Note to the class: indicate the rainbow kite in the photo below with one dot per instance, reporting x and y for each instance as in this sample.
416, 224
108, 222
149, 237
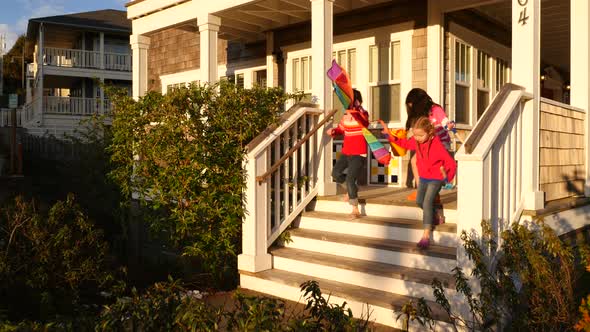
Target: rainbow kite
343, 89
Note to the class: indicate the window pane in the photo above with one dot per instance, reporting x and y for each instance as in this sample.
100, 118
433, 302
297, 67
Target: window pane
457, 62
384, 64
260, 77
468, 64
461, 104
309, 82
385, 101
342, 59
352, 65
373, 64
240, 80
395, 60
482, 102
296, 75
305, 73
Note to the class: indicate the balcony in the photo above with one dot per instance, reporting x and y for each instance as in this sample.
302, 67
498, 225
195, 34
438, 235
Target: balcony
73, 58
75, 106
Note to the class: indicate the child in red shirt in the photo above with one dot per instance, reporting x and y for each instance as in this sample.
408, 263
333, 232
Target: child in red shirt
435, 166
354, 149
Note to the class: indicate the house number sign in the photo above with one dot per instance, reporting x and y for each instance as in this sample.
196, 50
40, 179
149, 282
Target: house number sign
523, 15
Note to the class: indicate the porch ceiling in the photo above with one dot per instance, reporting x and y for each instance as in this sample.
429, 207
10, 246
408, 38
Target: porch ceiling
555, 28
249, 22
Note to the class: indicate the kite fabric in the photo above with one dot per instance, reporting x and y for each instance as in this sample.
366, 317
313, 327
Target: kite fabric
397, 150
341, 83
379, 151
343, 89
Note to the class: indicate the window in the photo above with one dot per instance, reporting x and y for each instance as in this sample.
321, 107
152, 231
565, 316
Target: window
483, 82
240, 80
260, 78
385, 82
462, 82
302, 76
171, 87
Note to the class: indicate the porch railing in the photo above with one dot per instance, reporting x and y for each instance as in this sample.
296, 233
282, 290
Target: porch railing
6, 117
490, 175
282, 178
73, 58
75, 106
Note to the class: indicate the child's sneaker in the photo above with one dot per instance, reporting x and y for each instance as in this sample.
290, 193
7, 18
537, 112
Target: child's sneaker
423, 243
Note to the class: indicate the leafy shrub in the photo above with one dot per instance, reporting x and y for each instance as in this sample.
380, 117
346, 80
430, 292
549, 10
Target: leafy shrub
526, 285
170, 307
189, 146
49, 262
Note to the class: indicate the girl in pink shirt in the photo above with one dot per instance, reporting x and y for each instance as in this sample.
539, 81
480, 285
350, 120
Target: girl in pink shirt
436, 166
419, 104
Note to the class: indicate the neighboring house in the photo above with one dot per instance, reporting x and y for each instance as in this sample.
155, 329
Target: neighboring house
74, 54
526, 157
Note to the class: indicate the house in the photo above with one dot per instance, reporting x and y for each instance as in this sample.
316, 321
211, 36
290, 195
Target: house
511, 73
74, 54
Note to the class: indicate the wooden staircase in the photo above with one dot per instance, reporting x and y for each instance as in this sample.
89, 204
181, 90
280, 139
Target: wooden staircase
372, 262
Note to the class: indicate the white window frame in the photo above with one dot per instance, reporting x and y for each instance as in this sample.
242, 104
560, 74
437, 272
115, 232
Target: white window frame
178, 79
405, 72
495, 51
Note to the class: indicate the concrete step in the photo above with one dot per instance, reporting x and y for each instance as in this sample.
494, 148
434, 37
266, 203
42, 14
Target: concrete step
383, 307
435, 258
377, 227
381, 276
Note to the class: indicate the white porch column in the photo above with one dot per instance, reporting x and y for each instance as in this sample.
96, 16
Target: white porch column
526, 66
321, 59
101, 50
270, 62
579, 68
139, 45
435, 49
208, 29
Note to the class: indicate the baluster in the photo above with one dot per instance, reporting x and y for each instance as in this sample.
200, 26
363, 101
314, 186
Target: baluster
277, 182
506, 166
513, 146
286, 179
294, 165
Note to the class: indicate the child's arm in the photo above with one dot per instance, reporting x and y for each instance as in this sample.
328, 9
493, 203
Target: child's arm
444, 173
408, 144
449, 167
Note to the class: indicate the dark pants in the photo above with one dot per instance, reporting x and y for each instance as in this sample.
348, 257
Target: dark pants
427, 191
355, 166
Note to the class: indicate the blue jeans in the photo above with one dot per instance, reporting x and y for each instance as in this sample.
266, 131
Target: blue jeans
427, 190
355, 166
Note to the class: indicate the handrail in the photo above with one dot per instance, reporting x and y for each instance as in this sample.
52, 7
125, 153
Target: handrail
490, 113
263, 177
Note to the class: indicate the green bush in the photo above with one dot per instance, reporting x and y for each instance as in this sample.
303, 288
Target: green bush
170, 307
527, 284
50, 262
189, 146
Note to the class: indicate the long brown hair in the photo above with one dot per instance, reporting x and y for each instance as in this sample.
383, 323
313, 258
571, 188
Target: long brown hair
424, 124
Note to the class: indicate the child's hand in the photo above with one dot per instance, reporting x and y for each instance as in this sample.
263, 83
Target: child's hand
384, 130
451, 125
330, 131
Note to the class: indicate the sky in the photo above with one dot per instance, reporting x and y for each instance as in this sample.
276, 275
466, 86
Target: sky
15, 14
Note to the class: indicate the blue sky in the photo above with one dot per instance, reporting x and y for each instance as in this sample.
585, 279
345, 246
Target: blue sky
14, 14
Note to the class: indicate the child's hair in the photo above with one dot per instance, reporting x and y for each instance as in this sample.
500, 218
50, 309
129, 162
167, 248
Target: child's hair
421, 105
424, 124
357, 97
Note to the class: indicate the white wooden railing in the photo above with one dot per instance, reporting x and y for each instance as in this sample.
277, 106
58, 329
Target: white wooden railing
282, 178
32, 110
75, 106
491, 180
73, 58
6, 117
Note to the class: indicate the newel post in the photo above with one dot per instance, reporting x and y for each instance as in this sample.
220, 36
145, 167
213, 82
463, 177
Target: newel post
255, 228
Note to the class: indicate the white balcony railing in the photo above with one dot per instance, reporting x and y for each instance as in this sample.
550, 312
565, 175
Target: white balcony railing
72, 58
75, 106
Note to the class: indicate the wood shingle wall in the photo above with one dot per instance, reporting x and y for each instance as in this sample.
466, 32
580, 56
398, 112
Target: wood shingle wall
562, 167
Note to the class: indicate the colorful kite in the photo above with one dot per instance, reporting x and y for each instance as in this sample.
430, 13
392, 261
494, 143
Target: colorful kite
343, 89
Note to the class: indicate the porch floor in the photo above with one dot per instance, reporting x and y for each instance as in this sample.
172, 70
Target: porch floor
394, 196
